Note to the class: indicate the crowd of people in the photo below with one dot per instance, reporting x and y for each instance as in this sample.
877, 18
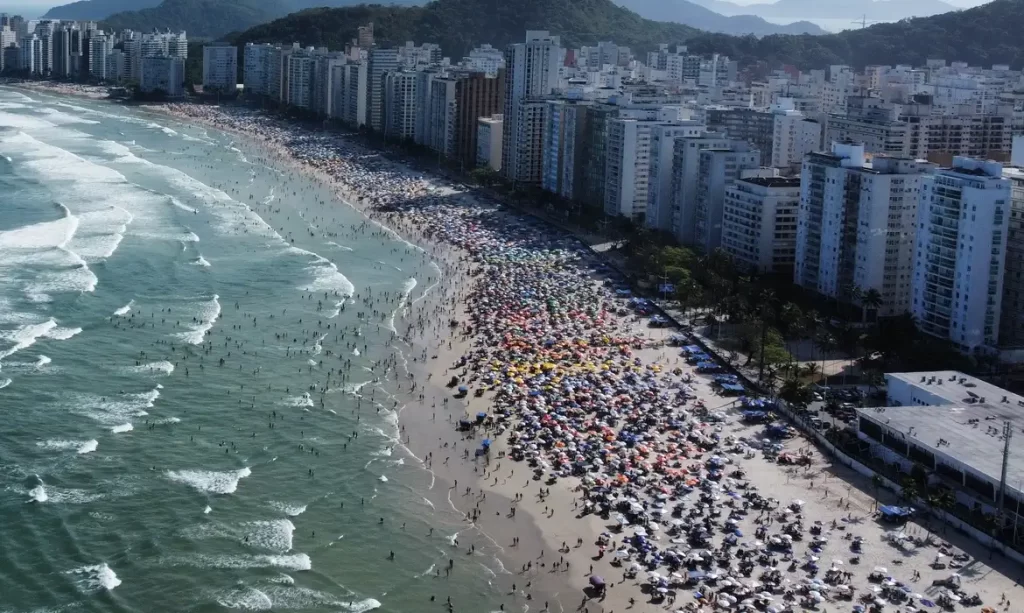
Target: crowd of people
563, 375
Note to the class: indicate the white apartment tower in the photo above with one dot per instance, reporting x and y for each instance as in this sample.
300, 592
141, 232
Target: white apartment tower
856, 225
163, 73
488, 142
793, 137
759, 223
400, 105
961, 250
685, 168
99, 46
659, 192
380, 62
531, 73
220, 67
717, 168
300, 80
257, 69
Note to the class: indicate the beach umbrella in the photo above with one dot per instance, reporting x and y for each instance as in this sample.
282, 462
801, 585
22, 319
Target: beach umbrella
596, 581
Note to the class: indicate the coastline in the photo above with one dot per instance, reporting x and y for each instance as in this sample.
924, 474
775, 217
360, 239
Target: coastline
547, 591
555, 518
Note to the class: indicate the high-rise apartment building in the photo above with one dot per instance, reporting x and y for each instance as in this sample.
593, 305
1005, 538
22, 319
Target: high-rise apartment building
162, 74
401, 97
1011, 319
759, 223
856, 225
717, 168
961, 253
531, 73
659, 194
685, 169
220, 67
300, 76
381, 60
488, 142
563, 146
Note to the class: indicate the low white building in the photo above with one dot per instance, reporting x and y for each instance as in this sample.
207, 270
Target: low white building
220, 67
961, 252
759, 223
163, 73
488, 141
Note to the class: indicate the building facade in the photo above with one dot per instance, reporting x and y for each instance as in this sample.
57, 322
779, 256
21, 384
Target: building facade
961, 253
759, 223
531, 73
220, 68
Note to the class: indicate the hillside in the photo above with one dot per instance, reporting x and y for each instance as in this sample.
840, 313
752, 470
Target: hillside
985, 35
878, 10
460, 25
696, 16
199, 18
97, 9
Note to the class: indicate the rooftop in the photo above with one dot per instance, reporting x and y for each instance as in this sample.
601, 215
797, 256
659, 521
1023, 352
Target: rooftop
966, 427
773, 181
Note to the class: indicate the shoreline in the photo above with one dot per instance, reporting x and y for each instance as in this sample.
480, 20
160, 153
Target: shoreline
530, 530
847, 511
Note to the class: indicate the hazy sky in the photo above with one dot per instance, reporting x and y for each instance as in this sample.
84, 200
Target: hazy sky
34, 8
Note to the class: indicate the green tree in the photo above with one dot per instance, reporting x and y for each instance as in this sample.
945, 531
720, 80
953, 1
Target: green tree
872, 301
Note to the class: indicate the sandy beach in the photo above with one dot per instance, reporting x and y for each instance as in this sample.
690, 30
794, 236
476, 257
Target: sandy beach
583, 445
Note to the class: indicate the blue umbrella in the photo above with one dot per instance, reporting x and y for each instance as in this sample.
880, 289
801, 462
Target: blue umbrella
486, 443
927, 603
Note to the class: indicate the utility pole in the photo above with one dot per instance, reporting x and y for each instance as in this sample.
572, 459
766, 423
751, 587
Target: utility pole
1007, 435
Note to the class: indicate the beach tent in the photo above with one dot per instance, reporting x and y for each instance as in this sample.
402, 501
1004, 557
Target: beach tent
894, 513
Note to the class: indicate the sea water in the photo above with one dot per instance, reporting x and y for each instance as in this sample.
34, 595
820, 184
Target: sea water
136, 469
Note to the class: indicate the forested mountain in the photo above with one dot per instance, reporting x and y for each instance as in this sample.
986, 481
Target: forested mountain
460, 25
97, 9
696, 16
984, 35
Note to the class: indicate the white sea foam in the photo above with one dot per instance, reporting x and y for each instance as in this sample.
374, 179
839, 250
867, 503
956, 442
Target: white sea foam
201, 261
326, 276
113, 410
209, 312
213, 482
207, 510
122, 428
25, 336
294, 561
245, 598
162, 367
95, 577
61, 118
382, 479
23, 122
361, 606
42, 361
38, 494
121, 312
4, 383
80, 447
305, 400
291, 510
274, 535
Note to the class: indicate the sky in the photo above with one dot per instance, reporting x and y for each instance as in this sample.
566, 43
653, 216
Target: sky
35, 8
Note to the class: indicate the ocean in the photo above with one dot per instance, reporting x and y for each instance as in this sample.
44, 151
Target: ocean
196, 415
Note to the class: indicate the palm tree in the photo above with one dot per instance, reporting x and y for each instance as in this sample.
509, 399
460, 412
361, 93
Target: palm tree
877, 482
872, 301
811, 369
825, 343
